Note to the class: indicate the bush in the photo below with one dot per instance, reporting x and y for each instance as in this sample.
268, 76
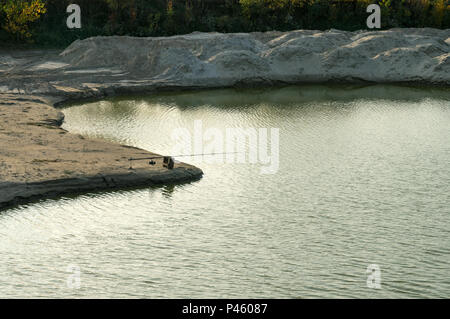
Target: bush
18, 16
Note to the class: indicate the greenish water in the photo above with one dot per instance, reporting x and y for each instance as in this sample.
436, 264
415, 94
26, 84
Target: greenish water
363, 178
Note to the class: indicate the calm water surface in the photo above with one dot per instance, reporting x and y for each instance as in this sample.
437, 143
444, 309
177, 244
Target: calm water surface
364, 178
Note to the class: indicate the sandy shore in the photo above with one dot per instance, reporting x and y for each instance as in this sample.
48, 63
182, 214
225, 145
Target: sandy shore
39, 159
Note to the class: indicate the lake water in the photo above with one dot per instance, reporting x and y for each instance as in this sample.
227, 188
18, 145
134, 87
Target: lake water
363, 179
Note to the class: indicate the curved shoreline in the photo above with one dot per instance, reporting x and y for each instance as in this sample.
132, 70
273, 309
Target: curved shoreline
38, 159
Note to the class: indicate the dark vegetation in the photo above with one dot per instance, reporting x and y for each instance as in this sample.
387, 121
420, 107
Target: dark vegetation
43, 22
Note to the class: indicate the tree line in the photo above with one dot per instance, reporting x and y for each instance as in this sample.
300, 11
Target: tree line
43, 22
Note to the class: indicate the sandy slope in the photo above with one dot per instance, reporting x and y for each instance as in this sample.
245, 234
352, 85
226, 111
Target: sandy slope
223, 59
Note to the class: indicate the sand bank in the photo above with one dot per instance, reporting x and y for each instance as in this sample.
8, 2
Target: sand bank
38, 159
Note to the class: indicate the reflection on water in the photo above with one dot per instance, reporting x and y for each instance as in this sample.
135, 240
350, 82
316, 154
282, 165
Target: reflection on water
364, 179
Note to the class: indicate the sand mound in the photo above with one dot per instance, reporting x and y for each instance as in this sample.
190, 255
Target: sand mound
397, 55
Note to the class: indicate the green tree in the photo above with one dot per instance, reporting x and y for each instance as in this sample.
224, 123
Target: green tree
19, 15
